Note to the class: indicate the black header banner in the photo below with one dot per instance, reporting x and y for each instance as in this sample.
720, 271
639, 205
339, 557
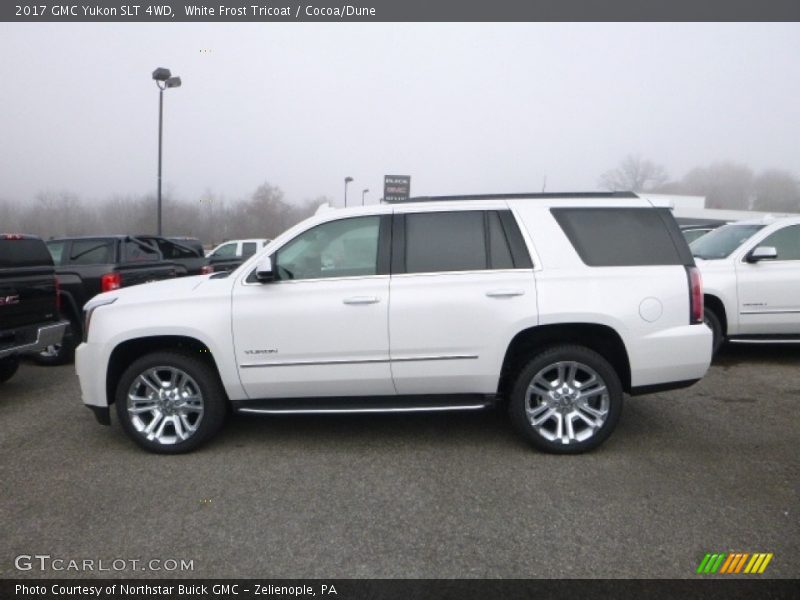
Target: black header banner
393, 10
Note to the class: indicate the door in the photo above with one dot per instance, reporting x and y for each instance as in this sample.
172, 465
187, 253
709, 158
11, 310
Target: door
320, 329
462, 282
769, 290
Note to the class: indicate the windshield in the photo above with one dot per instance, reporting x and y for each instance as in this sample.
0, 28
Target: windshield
721, 242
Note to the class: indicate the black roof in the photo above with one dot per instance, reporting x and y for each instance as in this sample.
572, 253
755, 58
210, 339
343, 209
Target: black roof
532, 196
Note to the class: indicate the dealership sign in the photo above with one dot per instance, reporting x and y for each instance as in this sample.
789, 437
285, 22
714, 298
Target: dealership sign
396, 188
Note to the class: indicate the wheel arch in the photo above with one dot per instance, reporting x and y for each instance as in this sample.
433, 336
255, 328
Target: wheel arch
715, 304
130, 350
601, 338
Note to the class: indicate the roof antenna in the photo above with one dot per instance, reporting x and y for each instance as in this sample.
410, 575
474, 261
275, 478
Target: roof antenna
544, 183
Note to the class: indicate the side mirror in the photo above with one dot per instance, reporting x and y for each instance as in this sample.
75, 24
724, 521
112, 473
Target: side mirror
762, 253
264, 272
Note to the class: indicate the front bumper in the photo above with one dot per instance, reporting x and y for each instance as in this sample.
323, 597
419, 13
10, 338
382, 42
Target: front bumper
91, 365
46, 335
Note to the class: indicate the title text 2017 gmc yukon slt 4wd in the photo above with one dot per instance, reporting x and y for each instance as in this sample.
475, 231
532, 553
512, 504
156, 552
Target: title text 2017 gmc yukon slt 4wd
29, 318
751, 271
559, 304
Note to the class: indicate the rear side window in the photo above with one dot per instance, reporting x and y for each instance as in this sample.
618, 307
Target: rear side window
24, 253
56, 251
91, 252
248, 249
170, 250
139, 252
445, 241
499, 251
623, 237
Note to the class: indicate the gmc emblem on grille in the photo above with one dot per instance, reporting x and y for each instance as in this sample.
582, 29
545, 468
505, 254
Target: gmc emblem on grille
8, 300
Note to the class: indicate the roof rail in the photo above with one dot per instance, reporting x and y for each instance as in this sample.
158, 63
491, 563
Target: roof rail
532, 196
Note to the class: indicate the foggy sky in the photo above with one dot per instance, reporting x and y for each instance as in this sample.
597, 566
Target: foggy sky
462, 108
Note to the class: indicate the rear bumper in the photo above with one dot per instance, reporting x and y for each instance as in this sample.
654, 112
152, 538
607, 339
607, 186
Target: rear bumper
46, 335
670, 358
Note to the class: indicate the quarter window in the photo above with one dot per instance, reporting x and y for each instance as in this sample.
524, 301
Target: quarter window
343, 248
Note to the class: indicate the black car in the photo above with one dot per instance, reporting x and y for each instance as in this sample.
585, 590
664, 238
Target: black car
87, 266
29, 300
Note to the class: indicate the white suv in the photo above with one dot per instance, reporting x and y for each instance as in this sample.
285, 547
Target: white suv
751, 271
559, 304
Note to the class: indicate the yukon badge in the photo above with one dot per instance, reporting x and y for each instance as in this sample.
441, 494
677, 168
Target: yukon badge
265, 351
9, 300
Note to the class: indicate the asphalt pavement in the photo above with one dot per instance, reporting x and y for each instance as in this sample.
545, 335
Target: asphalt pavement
713, 468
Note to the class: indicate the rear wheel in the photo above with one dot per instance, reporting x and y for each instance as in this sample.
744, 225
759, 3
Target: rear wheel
567, 400
8, 366
170, 402
711, 319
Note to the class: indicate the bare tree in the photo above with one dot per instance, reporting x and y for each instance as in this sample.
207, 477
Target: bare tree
724, 184
777, 190
265, 214
634, 174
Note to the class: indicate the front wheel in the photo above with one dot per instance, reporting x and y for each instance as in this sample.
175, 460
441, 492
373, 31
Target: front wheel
170, 402
567, 400
8, 366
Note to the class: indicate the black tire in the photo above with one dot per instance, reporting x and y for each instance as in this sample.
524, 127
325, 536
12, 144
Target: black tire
607, 404
63, 353
201, 378
711, 319
8, 366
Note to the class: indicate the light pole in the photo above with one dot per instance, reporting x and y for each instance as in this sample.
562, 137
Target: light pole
346, 181
164, 80
363, 193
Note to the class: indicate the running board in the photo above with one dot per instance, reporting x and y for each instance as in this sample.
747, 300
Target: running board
765, 340
371, 404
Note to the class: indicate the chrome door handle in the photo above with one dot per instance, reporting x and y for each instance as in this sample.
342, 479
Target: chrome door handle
505, 293
361, 300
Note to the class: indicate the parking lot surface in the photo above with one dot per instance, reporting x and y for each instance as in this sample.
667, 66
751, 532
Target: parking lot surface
714, 468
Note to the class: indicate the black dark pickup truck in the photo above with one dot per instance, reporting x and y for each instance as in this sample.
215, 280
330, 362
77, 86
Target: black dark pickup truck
184, 253
29, 315
87, 266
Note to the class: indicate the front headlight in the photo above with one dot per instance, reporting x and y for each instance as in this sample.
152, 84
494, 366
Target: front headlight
89, 309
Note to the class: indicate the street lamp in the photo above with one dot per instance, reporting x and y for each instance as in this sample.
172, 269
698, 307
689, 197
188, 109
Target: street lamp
164, 80
346, 181
363, 192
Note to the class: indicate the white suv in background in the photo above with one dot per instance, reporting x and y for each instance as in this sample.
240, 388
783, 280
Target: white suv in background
238, 248
558, 304
751, 274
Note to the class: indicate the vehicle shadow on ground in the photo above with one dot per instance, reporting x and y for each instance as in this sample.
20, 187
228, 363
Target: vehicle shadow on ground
734, 354
356, 429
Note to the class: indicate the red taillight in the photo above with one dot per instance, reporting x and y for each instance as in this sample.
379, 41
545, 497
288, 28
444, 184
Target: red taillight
695, 295
58, 294
110, 281
12, 236
206, 269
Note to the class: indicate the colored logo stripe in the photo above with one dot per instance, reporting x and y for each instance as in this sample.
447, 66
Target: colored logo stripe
734, 563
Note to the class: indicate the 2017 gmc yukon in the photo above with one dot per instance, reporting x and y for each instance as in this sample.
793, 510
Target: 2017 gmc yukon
559, 304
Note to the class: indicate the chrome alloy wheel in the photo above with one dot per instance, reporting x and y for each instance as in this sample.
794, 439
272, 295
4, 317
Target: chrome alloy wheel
165, 405
567, 401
